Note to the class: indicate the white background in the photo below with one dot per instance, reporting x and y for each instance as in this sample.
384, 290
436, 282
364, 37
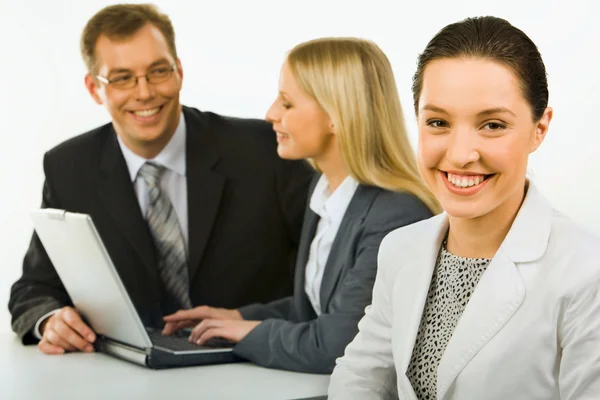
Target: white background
231, 53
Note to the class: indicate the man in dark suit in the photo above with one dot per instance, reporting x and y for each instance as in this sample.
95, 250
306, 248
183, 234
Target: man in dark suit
194, 208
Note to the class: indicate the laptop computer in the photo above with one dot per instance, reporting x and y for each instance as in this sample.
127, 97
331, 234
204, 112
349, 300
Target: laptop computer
91, 280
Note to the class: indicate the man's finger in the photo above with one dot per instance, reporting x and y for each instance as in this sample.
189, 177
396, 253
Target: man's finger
48, 348
72, 318
52, 337
72, 337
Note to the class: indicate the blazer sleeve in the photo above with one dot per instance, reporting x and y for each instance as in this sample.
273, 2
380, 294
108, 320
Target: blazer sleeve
366, 371
313, 346
280, 309
39, 290
579, 377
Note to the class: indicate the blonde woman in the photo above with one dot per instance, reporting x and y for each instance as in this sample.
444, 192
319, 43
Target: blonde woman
337, 107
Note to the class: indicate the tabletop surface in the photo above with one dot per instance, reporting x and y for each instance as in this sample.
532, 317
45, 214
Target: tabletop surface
25, 373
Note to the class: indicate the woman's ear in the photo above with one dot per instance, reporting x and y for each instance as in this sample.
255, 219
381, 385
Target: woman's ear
541, 129
331, 126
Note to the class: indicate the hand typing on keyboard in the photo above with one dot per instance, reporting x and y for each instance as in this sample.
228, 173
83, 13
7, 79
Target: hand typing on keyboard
179, 341
209, 323
189, 318
234, 331
214, 342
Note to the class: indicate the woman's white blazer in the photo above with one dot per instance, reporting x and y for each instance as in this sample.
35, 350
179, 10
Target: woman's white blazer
531, 330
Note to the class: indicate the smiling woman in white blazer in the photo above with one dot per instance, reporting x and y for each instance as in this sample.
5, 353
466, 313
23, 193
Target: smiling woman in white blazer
498, 298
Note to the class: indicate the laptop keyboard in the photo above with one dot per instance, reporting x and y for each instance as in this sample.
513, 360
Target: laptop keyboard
179, 342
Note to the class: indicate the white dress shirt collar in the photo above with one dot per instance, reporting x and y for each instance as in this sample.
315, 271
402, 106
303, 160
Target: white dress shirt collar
332, 205
173, 156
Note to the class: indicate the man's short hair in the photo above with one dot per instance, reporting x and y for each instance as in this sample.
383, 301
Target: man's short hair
121, 21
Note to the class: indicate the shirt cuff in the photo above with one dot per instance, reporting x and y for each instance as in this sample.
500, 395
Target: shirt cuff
36, 329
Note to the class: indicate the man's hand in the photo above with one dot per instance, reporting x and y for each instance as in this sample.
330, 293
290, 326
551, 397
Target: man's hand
66, 331
233, 331
188, 318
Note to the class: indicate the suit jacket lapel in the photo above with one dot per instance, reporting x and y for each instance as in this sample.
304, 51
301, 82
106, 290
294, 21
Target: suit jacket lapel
204, 186
498, 295
501, 290
309, 229
410, 289
353, 217
117, 193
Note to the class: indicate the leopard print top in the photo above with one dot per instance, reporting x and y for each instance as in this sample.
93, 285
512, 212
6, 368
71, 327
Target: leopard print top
452, 284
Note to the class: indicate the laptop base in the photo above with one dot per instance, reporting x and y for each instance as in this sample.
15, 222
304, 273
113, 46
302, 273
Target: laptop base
159, 359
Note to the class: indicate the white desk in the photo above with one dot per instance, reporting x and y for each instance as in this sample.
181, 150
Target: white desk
25, 373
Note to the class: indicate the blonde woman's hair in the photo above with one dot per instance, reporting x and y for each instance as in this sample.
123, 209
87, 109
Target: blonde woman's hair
352, 80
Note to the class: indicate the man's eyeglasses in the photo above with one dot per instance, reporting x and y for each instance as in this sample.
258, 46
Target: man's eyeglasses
127, 80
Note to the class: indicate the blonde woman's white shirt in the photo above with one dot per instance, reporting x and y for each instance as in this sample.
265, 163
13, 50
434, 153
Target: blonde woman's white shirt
531, 330
330, 207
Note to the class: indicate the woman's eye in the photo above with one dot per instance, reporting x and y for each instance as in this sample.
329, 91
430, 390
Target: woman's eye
286, 106
436, 123
494, 126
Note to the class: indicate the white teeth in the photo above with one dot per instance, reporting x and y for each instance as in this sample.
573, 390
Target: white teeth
463, 181
147, 113
281, 135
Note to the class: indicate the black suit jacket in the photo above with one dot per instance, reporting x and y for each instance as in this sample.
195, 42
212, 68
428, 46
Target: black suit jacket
245, 209
291, 335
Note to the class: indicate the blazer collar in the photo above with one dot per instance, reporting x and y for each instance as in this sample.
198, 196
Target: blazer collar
353, 217
415, 254
496, 299
205, 185
528, 236
500, 291
117, 193
309, 229
172, 156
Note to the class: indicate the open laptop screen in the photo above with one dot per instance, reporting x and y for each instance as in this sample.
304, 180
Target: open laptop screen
85, 268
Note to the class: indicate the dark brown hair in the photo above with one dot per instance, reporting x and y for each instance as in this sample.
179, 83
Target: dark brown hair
494, 39
121, 21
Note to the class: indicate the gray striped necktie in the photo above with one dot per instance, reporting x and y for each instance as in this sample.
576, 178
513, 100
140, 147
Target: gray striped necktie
163, 224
